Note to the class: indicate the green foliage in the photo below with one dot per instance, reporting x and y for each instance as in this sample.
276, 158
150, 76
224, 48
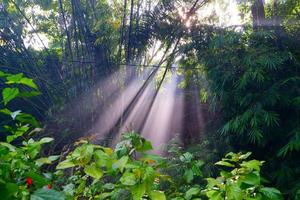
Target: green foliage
243, 181
254, 81
9, 94
103, 172
126, 172
20, 165
252, 76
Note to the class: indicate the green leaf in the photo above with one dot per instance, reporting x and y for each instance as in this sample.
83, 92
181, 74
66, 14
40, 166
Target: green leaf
2, 74
69, 189
46, 160
128, 179
27, 119
93, 171
146, 146
224, 163
14, 78
192, 192
157, 195
19, 79
29, 82
245, 156
16, 132
46, 140
251, 179
109, 186
211, 182
271, 193
188, 175
252, 164
9, 94
214, 195
233, 191
9, 146
120, 164
186, 157
138, 191
8, 190
47, 194
5, 111
65, 164
104, 195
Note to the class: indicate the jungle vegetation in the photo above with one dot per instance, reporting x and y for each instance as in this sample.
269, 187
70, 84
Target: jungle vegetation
238, 67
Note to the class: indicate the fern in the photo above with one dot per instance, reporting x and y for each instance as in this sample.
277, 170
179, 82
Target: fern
293, 144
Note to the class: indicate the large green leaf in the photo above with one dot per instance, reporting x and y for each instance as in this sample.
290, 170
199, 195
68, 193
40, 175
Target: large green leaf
65, 164
47, 194
271, 193
214, 195
46, 160
29, 82
9, 146
186, 157
120, 164
14, 78
93, 171
19, 79
45, 140
138, 191
157, 195
224, 163
2, 74
146, 146
192, 192
251, 179
234, 192
9, 94
188, 175
252, 164
128, 179
8, 190
27, 119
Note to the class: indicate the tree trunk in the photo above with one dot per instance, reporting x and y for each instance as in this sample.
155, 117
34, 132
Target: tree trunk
66, 28
122, 32
128, 57
258, 14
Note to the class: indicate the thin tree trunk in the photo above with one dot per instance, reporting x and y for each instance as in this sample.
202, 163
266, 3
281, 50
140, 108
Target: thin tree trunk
258, 14
122, 32
128, 57
137, 21
279, 32
66, 28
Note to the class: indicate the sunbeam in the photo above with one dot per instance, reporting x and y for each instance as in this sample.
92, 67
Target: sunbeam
114, 115
157, 127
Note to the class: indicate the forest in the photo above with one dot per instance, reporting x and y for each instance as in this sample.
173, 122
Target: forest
150, 99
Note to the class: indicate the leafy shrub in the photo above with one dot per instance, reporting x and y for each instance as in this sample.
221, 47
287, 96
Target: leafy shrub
20, 164
104, 173
242, 182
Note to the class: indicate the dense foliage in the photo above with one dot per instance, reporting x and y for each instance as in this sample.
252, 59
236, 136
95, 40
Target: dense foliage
252, 77
91, 171
245, 75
